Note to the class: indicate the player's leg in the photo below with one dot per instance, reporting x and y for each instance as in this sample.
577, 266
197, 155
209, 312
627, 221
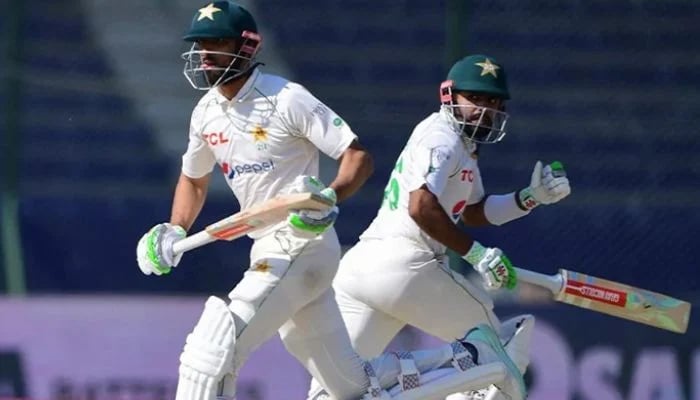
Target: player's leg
444, 316
370, 329
317, 337
369, 277
408, 283
314, 337
486, 364
411, 285
208, 353
442, 302
275, 287
474, 362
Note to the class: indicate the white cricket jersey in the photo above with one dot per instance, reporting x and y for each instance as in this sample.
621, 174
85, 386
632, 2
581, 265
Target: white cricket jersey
263, 138
434, 156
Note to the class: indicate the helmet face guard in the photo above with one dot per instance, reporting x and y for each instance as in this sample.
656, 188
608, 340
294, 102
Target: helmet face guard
198, 75
474, 123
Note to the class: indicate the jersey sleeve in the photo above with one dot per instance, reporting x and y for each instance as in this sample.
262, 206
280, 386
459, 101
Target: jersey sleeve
308, 117
198, 160
431, 162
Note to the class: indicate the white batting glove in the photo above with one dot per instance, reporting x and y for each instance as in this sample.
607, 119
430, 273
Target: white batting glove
495, 268
548, 185
312, 221
154, 252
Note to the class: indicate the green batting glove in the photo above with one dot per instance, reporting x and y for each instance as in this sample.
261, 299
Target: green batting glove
154, 252
493, 266
315, 222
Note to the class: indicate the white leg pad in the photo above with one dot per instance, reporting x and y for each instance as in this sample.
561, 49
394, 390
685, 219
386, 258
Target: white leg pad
490, 393
517, 332
208, 353
442, 382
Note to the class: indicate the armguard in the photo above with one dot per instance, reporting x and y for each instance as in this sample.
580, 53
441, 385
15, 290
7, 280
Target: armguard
502, 208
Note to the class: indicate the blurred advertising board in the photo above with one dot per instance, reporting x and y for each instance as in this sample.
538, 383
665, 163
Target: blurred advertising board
127, 348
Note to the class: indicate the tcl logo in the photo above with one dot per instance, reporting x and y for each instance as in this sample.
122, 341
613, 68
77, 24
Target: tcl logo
467, 175
215, 138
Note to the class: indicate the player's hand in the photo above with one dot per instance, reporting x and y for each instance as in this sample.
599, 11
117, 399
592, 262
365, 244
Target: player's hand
154, 252
312, 221
493, 265
548, 185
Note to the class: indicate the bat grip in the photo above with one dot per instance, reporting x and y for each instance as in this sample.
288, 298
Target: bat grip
192, 242
555, 283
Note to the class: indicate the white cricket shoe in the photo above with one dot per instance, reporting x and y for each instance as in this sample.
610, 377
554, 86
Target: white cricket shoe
490, 350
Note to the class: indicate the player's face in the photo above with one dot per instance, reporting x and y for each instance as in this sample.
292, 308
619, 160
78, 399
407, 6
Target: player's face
217, 55
473, 105
481, 111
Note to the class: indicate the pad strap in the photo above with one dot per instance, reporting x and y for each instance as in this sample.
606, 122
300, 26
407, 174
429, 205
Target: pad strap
409, 377
461, 357
374, 390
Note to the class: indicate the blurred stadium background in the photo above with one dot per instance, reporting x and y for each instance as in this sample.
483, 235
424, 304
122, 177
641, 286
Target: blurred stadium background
94, 119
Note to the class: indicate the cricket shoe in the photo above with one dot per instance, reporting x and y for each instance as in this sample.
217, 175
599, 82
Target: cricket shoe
490, 350
516, 335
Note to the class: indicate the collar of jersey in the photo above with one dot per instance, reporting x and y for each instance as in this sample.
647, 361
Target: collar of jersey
246, 89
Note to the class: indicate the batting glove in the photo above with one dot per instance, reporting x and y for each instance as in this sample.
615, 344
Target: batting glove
495, 268
548, 185
312, 221
154, 252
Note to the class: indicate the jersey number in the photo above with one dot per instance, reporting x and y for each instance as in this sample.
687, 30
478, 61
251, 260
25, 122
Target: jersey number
391, 192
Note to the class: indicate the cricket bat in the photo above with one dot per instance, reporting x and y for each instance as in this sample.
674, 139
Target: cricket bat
259, 216
613, 298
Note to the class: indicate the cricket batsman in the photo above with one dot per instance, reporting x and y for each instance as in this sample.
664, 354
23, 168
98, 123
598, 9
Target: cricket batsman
398, 272
264, 133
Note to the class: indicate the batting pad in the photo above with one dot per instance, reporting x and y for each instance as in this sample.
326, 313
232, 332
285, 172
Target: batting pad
208, 353
519, 331
440, 383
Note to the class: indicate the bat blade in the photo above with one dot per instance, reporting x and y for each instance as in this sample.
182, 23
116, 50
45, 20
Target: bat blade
260, 216
265, 214
613, 298
624, 301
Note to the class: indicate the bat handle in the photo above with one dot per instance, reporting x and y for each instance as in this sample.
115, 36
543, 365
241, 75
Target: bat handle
555, 283
192, 242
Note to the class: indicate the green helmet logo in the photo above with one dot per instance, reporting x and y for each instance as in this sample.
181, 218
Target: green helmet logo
479, 73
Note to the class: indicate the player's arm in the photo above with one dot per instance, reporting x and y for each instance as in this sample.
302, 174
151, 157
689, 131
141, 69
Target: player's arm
310, 118
473, 215
355, 167
548, 185
188, 200
434, 163
154, 252
425, 209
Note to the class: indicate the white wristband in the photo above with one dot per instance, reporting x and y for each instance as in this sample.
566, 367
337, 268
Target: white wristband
502, 208
475, 253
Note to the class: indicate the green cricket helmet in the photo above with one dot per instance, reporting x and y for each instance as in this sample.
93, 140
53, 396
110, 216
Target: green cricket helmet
221, 19
482, 75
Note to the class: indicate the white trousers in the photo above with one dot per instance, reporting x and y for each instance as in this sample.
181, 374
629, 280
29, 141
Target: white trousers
383, 285
288, 290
